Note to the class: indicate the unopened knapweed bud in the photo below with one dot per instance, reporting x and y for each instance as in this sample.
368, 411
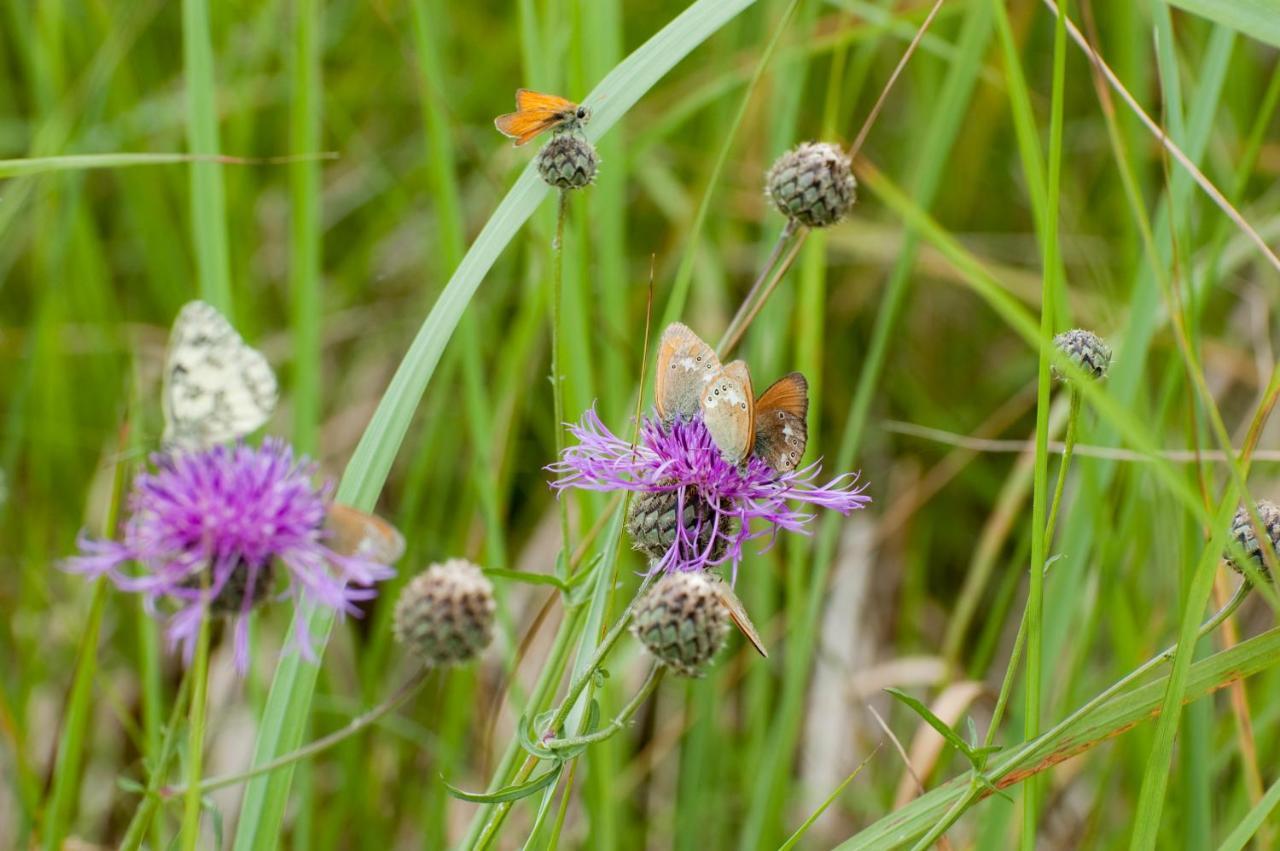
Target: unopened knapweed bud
682, 621
1242, 532
1086, 350
568, 161
812, 184
445, 614
651, 522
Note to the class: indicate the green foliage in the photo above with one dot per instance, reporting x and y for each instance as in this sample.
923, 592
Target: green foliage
326, 171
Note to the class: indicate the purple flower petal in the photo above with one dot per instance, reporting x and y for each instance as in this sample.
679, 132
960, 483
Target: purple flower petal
748, 501
227, 511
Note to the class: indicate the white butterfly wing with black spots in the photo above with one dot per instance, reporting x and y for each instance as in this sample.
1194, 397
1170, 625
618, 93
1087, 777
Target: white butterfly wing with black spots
216, 387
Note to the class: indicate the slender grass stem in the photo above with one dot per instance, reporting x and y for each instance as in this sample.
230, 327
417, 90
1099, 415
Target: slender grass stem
620, 721
195, 737
354, 726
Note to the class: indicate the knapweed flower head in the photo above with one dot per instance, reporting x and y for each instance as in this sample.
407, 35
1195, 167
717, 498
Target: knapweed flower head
682, 621
1086, 350
731, 503
812, 184
1243, 533
445, 614
223, 522
568, 161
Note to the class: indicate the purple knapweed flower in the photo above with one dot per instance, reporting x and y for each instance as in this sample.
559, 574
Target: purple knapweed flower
716, 504
228, 518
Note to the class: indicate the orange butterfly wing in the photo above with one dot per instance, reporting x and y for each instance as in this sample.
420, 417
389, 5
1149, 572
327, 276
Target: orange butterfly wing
781, 430
354, 533
523, 126
685, 365
528, 100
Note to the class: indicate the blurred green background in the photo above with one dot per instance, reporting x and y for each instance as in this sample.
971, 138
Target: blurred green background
923, 591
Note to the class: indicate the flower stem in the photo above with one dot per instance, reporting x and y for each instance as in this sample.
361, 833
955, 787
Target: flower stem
1068, 447
355, 725
195, 741
606, 645
566, 706
141, 821
734, 331
614, 726
557, 379
776, 274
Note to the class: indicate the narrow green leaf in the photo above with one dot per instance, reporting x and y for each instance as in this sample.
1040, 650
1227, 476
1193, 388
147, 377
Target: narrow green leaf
508, 793
527, 577
936, 723
208, 202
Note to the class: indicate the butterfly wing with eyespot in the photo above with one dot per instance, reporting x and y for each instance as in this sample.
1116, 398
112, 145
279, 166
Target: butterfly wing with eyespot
685, 365
352, 532
728, 409
738, 614
216, 387
782, 430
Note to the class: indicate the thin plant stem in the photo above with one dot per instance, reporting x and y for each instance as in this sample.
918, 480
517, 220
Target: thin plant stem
1069, 442
614, 726
1069, 445
734, 330
606, 645
136, 832
355, 725
557, 380
195, 739
566, 706
727, 345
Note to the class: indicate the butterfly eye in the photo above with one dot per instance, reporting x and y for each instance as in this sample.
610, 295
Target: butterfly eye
582, 112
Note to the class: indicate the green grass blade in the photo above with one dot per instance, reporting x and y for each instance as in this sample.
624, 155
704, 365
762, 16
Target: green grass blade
208, 202
1258, 19
291, 690
1252, 821
1106, 721
304, 222
1049, 271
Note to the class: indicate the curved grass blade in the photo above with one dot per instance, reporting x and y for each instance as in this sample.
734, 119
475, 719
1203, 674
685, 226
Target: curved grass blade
291, 690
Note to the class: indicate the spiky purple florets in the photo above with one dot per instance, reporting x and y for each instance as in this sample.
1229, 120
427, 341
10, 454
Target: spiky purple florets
682, 458
236, 512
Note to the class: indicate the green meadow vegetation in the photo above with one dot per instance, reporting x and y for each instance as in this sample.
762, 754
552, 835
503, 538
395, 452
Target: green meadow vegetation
1013, 645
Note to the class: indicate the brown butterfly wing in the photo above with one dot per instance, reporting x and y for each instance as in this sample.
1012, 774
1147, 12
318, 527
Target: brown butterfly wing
355, 533
728, 409
781, 428
738, 614
685, 365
